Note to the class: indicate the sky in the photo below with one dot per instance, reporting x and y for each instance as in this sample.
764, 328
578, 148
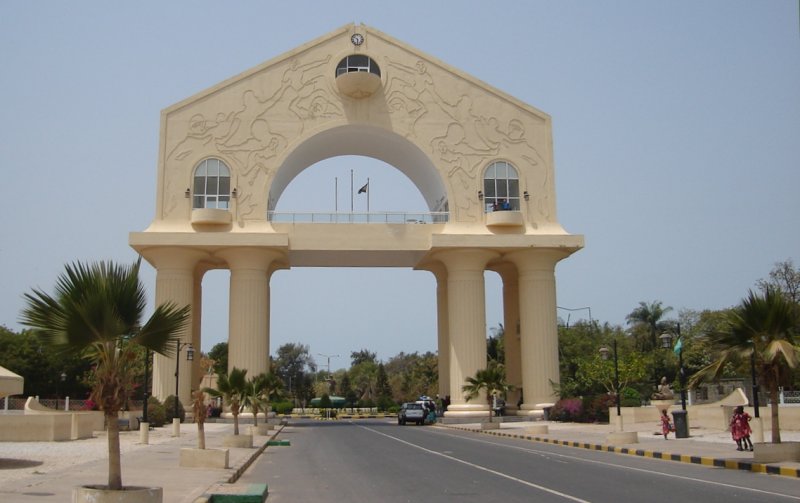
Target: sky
676, 131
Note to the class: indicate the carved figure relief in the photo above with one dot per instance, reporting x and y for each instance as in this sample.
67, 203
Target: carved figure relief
256, 132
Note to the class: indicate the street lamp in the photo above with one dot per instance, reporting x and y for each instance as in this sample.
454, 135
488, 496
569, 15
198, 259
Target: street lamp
189, 357
61, 388
329, 362
604, 356
682, 424
146, 395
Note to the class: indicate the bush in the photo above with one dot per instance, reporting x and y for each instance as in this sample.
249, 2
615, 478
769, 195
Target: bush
630, 398
567, 409
282, 407
366, 404
169, 408
394, 409
156, 414
596, 408
385, 403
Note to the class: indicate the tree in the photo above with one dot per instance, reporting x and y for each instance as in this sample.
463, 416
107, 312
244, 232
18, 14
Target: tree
784, 278
199, 410
255, 395
495, 349
491, 380
219, 355
293, 364
97, 311
763, 327
648, 316
632, 369
358, 357
232, 387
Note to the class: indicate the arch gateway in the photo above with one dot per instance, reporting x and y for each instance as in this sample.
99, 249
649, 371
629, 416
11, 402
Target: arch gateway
481, 159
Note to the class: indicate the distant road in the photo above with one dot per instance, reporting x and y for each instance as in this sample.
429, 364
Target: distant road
377, 460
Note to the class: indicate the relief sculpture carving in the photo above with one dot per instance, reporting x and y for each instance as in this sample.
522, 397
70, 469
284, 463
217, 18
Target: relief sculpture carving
255, 133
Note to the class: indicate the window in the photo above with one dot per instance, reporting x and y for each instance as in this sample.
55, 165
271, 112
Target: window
212, 185
358, 63
500, 187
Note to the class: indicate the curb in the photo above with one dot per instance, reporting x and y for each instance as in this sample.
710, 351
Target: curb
241, 468
682, 458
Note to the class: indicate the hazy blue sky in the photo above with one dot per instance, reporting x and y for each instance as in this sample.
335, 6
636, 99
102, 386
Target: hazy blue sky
676, 134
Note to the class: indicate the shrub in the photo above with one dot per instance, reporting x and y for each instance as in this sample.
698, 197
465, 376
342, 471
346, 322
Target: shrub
156, 414
366, 404
596, 408
169, 408
282, 407
567, 409
630, 398
385, 403
394, 409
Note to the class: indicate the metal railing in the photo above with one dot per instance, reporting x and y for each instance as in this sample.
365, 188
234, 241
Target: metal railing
383, 217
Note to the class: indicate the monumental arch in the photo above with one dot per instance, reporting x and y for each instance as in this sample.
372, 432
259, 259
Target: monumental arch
481, 159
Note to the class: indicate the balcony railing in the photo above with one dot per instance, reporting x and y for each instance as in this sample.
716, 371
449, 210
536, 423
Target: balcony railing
314, 217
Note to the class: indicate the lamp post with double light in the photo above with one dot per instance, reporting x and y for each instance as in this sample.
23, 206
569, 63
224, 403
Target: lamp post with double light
681, 418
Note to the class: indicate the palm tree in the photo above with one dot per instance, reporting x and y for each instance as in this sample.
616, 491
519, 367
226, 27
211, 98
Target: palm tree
232, 387
763, 327
491, 380
97, 312
255, 396
649, 316
199, 410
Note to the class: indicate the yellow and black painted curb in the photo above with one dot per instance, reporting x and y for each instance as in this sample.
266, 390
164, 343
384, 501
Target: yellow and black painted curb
734, 464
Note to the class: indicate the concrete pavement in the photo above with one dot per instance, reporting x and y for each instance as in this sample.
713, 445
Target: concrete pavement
47, 471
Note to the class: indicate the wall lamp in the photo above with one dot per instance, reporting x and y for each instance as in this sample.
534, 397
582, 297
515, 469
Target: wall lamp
187, 194
235, 193
526, 195
480, 195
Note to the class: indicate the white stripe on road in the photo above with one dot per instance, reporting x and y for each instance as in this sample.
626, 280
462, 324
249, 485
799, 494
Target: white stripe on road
478, 467
623, 467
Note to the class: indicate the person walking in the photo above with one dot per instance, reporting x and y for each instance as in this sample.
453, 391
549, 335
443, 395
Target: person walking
666, 425
740, 429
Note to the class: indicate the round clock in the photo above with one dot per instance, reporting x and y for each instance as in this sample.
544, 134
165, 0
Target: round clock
357, 39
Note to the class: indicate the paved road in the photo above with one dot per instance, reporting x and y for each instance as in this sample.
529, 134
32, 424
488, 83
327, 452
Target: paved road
380, 461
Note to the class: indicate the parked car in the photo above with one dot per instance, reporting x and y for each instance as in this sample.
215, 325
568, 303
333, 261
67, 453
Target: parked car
411, 411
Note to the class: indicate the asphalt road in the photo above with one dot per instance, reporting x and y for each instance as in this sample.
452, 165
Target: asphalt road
364, 461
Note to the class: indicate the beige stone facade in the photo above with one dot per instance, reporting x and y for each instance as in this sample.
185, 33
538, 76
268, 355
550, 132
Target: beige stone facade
481, 159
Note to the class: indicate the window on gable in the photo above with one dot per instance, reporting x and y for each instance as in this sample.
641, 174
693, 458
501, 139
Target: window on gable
357, 63
500, 187
212, 185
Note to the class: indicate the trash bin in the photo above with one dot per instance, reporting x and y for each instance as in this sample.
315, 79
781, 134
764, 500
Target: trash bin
681, 422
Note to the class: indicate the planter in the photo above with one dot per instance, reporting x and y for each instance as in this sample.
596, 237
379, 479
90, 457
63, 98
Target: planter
622, 437
132, 494
204, 458
494, 425
776, 453
241, 441
537, 429
260, 430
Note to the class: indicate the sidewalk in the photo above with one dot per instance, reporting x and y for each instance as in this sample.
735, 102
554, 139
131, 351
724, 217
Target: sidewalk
47, 471
704, 446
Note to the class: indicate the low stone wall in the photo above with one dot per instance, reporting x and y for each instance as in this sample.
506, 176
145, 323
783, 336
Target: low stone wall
716, 417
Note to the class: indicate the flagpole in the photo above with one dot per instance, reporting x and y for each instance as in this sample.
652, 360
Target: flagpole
368, 191
351, 191
336, 194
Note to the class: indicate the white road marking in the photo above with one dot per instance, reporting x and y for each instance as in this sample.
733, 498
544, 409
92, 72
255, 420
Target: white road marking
478, 467
605, 463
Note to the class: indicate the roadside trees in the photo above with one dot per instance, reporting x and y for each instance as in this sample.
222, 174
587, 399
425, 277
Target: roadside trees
491, 380
97, 311
762, 328
232, 388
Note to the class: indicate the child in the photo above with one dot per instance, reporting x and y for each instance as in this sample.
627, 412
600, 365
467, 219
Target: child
740, 429
666, 426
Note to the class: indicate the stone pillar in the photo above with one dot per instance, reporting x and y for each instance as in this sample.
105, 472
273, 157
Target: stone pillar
511, 333
538, 326
248, 338
175, 283
443, 339
466, 309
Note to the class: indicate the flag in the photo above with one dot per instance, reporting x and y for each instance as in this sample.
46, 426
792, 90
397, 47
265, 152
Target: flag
678, 346
364, 188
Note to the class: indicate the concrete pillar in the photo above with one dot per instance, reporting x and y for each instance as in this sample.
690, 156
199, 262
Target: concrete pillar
538, 326
511, 332
440, 272
466, 309
174, 283
248, 338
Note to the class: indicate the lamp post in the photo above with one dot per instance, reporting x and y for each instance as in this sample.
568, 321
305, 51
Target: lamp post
146, 395
682, 419
604, 356
189, 357
329, 362
61, 388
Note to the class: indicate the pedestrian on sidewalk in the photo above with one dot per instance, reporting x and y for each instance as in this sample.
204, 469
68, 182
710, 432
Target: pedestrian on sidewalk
740, 429
666, 425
